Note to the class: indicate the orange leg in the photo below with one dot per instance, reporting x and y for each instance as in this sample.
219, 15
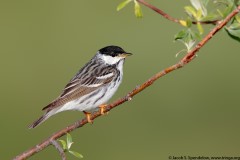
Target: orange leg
102, 109
88, 116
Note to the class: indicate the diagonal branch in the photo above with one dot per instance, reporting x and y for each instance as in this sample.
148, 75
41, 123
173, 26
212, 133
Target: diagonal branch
167, 16
188, 58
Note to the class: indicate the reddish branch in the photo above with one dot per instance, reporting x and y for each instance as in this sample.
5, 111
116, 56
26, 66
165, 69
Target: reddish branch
188, 58
159, 11
167, 16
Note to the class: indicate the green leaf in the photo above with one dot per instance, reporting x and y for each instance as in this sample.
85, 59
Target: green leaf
237, 18
196, 35
234, 31
200, 5
191, 11
189, 22
200, 28
228, 10
188, 38
196, 4
234, 35
123, 4
180, 35
210, 17
64, 144
76, 154
190, 44
234, 26
137, 9
69, 141
220, 13
199, 15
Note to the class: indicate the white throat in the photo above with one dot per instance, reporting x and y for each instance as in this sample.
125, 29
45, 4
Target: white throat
109, 59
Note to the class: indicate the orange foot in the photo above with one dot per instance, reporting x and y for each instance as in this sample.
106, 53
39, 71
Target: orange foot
88, 116
102, 109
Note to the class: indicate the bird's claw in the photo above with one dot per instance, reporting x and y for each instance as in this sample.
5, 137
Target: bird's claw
102, 109
88, 117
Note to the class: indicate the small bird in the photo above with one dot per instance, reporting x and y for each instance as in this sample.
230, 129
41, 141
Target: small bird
91, 87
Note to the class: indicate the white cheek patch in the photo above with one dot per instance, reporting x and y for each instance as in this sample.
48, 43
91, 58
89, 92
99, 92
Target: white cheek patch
110, 60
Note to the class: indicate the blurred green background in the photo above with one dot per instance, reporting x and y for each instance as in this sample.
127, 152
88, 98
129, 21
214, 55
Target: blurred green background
193, 111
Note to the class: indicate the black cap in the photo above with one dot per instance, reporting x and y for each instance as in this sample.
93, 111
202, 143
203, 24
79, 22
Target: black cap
112, 51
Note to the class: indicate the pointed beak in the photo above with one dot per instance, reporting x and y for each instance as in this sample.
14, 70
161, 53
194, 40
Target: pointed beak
124, 55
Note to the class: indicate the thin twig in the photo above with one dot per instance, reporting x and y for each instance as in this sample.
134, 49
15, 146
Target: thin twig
59, 148
159, 11
167, 16
188, 58
214, 22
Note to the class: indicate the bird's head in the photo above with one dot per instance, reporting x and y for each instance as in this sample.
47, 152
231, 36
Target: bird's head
112, 54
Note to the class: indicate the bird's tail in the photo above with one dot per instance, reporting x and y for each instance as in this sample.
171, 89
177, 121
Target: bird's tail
39, 121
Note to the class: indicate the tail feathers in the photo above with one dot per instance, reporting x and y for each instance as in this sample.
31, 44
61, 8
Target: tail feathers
39, 121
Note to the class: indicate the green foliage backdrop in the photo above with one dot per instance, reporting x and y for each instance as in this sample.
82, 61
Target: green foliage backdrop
193, 111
